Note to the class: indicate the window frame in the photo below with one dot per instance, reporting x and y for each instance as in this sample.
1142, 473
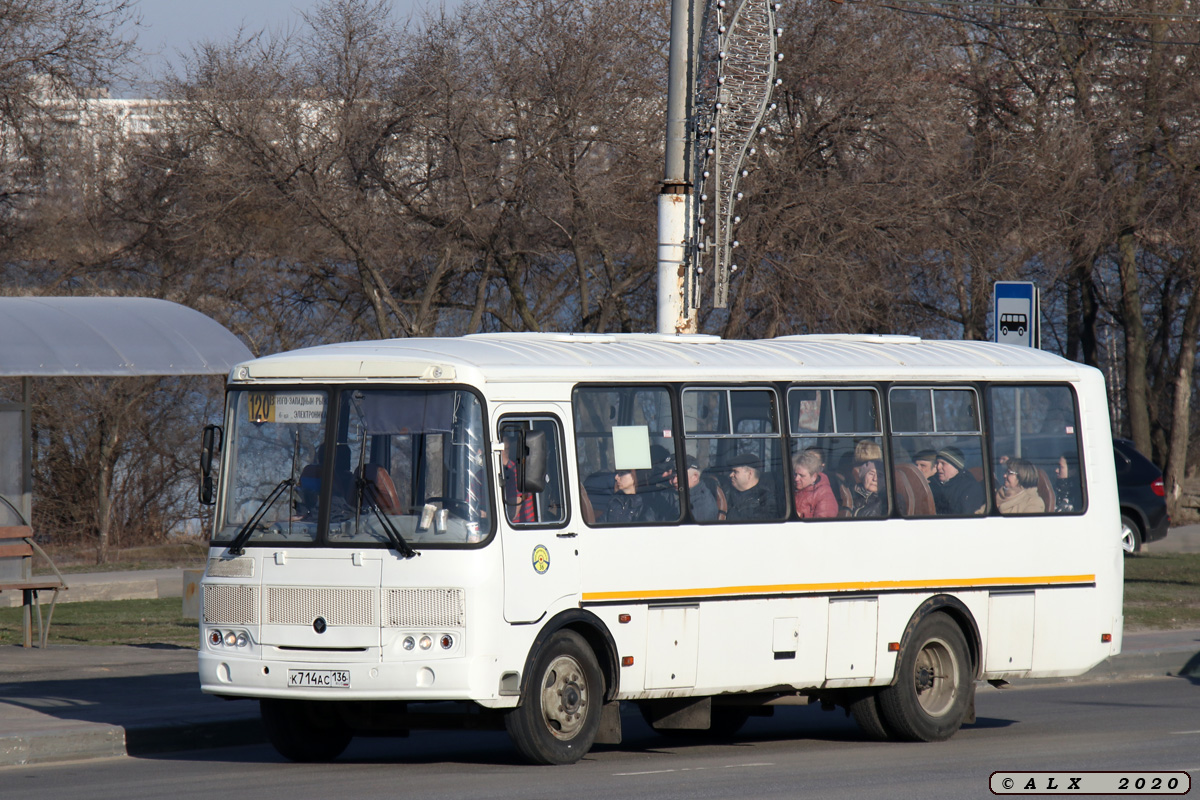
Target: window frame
1081, 468
497, 489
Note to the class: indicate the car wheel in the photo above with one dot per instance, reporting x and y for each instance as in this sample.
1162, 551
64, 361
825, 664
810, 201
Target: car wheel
559, 717
1131, 536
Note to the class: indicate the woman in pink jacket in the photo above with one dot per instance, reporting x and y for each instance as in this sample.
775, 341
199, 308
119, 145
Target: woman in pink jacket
814, 497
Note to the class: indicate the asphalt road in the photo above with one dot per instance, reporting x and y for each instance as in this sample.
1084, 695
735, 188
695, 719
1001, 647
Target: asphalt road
802, 752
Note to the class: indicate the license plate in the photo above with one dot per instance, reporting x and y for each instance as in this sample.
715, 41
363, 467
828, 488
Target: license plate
320, 678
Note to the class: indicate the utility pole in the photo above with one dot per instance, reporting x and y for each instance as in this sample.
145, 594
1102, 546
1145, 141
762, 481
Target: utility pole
720, 76
676, 198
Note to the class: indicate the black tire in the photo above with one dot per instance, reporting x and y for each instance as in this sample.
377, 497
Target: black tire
1131, 536
866, 712
930, 698
724, 723
303, 730
559, 714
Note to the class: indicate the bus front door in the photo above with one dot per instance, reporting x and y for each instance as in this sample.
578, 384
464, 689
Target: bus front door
541, 545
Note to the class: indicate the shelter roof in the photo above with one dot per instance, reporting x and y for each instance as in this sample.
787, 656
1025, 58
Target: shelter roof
117, 336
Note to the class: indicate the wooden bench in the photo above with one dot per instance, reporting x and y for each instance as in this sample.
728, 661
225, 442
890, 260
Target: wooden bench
17, 548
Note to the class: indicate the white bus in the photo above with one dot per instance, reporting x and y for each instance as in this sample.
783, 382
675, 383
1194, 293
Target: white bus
495, 530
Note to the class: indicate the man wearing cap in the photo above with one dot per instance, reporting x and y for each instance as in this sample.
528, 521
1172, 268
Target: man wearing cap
702, 497
961, 495
926, 462
751, 499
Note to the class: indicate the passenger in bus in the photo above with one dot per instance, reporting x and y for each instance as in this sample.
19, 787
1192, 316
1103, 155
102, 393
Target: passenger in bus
926, 461
865, 450
841, 492
626, 505
813, 494
868, 499
1019, 494
660, 487
1066, 486
752, 498
960, 494
705, 497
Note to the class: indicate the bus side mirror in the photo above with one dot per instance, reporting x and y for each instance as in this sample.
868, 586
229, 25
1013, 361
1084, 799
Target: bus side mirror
533, 475
210, 445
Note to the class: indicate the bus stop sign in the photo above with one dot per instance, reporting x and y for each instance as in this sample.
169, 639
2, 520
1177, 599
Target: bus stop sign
1015, 306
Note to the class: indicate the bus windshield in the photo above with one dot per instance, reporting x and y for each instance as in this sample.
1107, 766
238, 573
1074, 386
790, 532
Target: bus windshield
408, 467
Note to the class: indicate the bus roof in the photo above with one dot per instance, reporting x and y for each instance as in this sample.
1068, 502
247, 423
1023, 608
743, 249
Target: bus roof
573, 357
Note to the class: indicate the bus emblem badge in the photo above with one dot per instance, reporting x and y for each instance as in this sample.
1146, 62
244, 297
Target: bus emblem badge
541, 559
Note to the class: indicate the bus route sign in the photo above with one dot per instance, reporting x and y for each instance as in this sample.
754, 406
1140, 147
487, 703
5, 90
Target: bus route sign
1015, 317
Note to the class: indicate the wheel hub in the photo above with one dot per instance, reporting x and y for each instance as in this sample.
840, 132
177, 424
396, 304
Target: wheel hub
564, 697
924, 678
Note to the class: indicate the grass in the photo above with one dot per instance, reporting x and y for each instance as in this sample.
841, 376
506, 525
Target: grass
1161, 591
128, 622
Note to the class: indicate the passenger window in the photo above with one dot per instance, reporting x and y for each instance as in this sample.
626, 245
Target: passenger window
734, 452
1035, 444
531, 472
625, 449
937, 451
837, 453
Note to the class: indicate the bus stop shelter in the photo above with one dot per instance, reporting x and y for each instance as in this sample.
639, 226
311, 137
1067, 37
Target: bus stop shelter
88, 337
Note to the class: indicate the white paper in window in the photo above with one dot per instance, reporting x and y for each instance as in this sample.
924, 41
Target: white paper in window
631, 446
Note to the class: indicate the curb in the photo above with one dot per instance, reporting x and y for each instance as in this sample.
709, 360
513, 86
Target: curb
91, 741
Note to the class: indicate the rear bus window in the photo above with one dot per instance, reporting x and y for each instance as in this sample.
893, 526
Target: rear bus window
1035, 444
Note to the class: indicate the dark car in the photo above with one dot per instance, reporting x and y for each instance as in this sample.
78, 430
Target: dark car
1143, 498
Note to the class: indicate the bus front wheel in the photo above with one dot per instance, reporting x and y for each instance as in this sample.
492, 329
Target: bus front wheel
559, 717
930, 698
300, 731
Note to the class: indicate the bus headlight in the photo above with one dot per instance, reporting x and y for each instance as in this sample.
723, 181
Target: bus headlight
230, 639
409, 643
426, 642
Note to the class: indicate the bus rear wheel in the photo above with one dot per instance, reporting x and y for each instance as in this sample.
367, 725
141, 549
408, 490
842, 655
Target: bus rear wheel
301, 731
865, 710
559, 717
931, 696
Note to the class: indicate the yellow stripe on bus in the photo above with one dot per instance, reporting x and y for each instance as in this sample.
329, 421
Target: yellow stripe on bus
847, 586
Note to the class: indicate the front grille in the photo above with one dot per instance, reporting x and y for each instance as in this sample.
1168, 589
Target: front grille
424, 608
290, 605
231, 605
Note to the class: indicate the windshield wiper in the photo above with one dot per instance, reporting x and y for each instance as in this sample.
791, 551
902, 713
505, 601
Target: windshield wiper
393, 535
236, 546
